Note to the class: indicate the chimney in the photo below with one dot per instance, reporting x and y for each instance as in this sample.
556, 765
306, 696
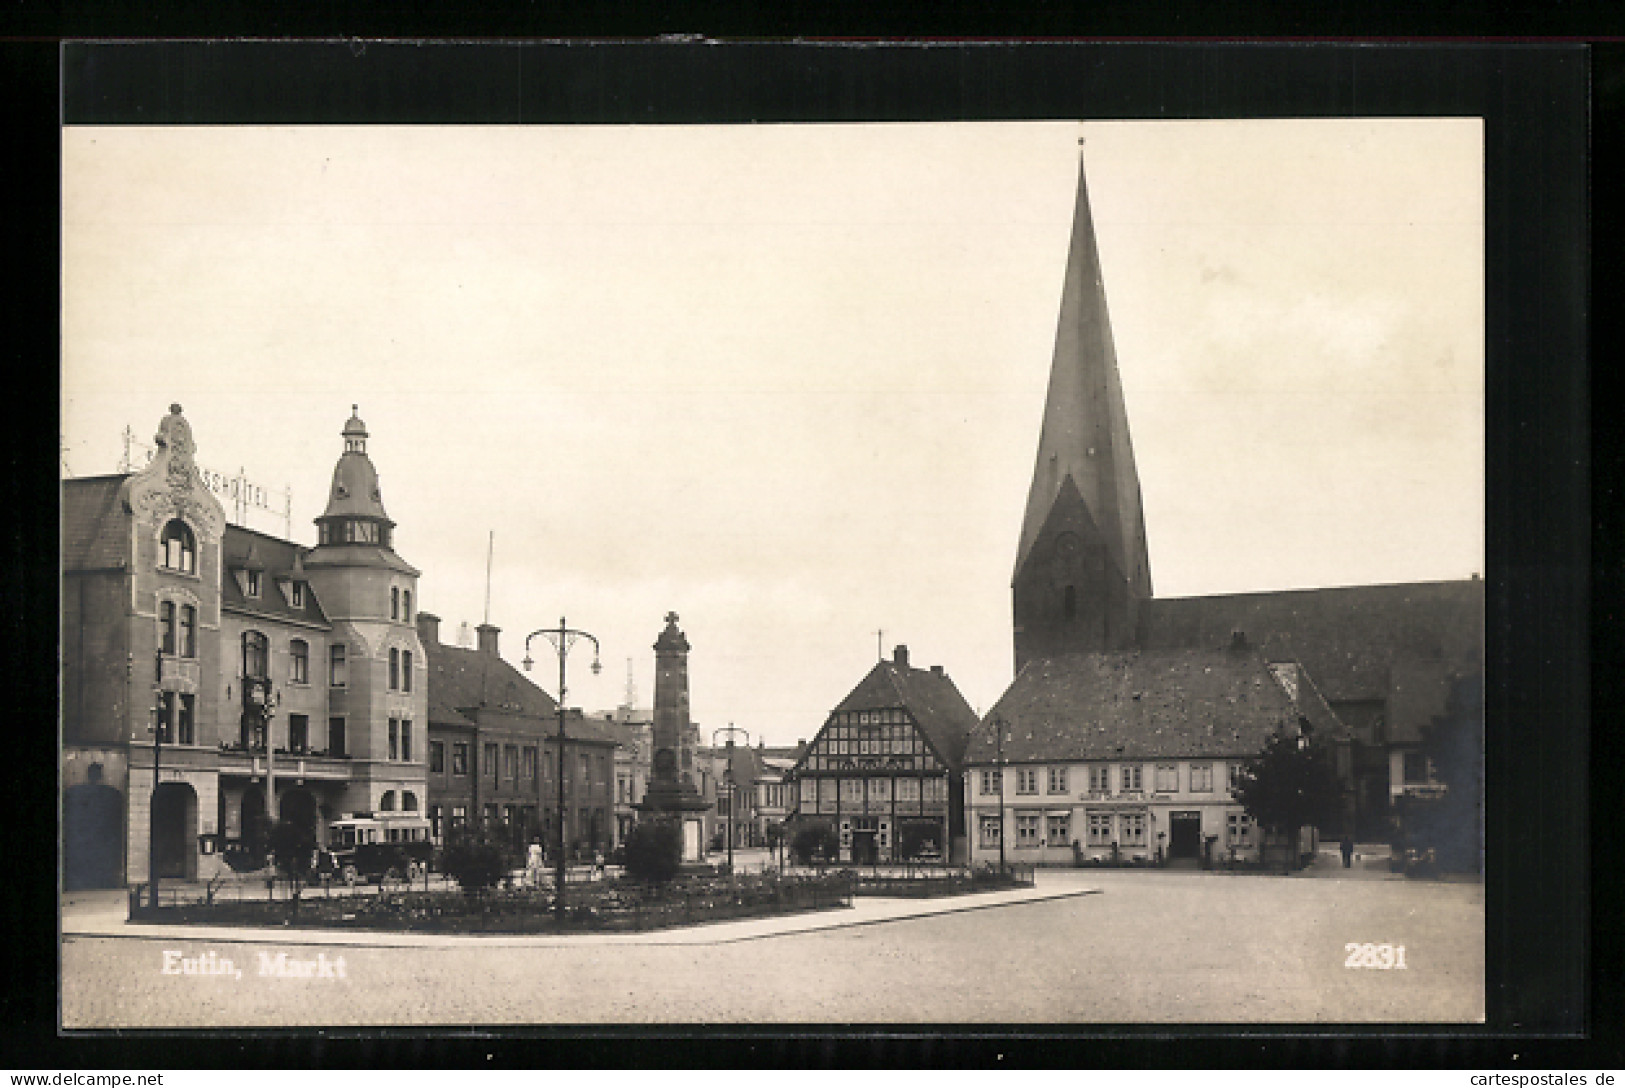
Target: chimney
936, 670
428, 628
488, 638
899, 657
1238, 639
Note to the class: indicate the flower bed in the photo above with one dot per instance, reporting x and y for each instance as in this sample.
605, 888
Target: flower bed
613, 905
928, 883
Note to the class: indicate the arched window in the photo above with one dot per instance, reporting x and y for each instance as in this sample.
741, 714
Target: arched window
179, 547
394, 603
394, 669
188, 631
166, 627
386, 803
409, 801
406, 605
299, 661
256, 655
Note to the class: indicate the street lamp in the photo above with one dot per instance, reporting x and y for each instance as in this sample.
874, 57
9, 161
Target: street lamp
158, 724
728, 774
998, 725
562, 638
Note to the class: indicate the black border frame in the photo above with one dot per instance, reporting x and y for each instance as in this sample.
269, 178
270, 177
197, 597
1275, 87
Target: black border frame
1538, 128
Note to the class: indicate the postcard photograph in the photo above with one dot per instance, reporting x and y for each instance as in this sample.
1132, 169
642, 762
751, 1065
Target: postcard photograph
1023, 572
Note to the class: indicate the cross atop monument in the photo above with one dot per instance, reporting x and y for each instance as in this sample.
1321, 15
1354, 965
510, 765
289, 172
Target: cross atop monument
671, 617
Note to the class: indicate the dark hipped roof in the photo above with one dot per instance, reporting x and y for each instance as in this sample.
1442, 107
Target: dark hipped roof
95, 525
931, 697
1165, 704
278, 560
1347, 637
469, 685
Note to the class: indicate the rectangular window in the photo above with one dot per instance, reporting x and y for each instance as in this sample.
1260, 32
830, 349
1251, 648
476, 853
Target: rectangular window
551, 777
489, 766
183, 723
188, 631
1057, 780
1133, 828
990, 783
510, 761
490, 816
1416, 769
1133, 778
586, 769
406, 670
394, 739
394, 669
459, 758
299, 661
936, 790
1100, 829
437, 756
297, 594
406, 740
434, 821
166, 627
335, 736
1201, 778
809, 794
1241, 829
879, 794
1167, 778
1026, 779
166, 716
908, 791
1026, 830
335, 665
1058, 830
990, 832
298, 733
253, 582
529, 764
1100, 778
851, 793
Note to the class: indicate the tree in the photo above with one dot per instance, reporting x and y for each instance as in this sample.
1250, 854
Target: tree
815, 841
477, 864
1292, 784
1454, 743
294, 846
654, 851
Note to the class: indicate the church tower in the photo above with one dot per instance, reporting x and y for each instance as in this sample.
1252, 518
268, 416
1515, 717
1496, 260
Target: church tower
1081, 571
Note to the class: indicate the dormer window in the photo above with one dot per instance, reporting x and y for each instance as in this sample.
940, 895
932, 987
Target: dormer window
296, 594
179, 547
251, 579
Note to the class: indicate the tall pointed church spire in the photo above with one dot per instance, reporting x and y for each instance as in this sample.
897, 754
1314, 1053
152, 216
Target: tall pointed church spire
1083, 523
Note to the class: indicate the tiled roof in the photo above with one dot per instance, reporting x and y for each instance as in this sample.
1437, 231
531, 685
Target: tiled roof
1348, 638
95, 526
930, 696
277, 559
461, 679
1163, 704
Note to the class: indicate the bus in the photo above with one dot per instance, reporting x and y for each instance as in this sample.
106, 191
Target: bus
374, 846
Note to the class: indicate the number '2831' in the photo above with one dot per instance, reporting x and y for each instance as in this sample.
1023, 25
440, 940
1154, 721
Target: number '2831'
1381, 957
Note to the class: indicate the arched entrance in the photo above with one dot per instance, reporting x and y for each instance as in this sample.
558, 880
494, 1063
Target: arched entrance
92, 834
174, 830
299, 807
254, 826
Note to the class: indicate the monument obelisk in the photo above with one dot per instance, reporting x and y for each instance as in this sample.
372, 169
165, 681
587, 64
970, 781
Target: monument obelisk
671, 793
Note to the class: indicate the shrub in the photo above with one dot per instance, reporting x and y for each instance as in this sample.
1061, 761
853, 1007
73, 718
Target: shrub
476, 865
815, 842
654, 851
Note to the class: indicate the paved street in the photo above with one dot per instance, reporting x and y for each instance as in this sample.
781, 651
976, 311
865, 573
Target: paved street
1145, 946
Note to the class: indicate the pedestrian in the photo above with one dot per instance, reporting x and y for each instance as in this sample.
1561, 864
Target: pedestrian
598, 865
534, 863
1348, 851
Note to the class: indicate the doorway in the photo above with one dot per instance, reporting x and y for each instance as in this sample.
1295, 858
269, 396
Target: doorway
174, 830
1184, 835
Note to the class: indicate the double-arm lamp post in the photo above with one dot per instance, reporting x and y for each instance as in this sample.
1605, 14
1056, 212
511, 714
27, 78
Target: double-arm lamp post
998, 726
728, 775
562, 639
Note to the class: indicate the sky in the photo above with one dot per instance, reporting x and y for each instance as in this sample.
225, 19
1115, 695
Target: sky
786, 380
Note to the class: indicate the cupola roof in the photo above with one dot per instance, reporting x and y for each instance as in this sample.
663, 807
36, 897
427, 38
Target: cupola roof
354, 492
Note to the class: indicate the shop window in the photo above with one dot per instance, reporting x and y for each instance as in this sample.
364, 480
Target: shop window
179, 547
299, 661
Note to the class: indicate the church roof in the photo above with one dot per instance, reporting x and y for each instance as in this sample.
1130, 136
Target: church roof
1085, 429
1168, 704
929, 695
